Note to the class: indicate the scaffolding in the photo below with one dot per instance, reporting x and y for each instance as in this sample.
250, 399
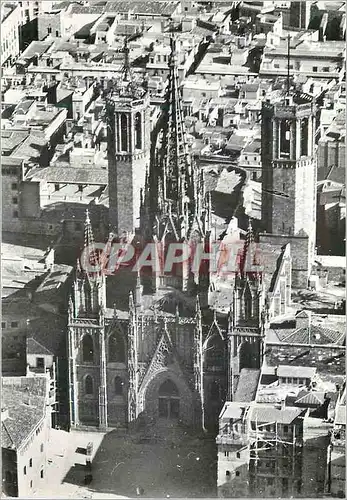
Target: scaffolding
260, 440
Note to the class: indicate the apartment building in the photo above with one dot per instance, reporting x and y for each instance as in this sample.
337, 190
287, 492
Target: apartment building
312, 59
10, 22
25, 429
274, 443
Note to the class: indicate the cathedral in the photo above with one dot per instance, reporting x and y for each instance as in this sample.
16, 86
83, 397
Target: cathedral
166, 354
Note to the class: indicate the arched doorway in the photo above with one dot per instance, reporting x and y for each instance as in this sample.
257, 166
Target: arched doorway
169, 400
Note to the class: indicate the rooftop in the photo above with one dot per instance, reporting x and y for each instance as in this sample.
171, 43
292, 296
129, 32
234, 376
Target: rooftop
247, 385
96, 176
264, 414
296, 371
24, 398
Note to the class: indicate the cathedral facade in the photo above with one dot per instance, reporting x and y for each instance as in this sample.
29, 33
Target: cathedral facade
166, 354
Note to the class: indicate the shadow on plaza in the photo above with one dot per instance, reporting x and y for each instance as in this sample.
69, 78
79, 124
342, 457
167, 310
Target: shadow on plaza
179, 464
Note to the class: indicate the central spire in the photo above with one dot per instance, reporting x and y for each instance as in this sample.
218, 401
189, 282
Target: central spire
174, 157
170, 195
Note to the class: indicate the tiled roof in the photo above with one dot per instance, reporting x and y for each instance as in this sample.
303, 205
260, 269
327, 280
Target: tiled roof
24, 398
266, 414
11, 139
143, 7
310, 335
55, 278
311, 399
247, 385
34, 347
70, 175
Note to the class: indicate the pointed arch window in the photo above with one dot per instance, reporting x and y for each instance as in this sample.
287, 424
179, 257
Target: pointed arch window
88, 348
116, 348
215, 352
89, 385
248, 304
138, 131
124, 132
118, 386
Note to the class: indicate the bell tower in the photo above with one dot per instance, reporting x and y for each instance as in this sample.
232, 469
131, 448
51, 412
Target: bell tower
128, 138
289, 178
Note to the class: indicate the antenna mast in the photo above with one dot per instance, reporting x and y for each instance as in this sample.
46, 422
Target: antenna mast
288, 61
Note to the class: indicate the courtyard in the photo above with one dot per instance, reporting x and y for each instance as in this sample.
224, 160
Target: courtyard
165, 461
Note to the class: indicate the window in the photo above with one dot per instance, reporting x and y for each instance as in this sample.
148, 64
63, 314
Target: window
138, 131
124, 132
78, 226
270, 481
14, 324
49, 30
276, 65
116, 348
15, 214
254, 176
80, 187
285, 429
227, 473
285, 138
41, 474
118, 386
238, 454
56, 187
226, 453
87, 348
40, 362
25, 470
30, 462
15, 200
315, 69
31, 484
3, 324
237, 473
14, 186
41, 447
88, 385
56, 33
326, 69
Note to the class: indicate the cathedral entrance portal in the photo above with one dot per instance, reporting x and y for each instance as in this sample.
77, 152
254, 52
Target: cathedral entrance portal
168, 400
